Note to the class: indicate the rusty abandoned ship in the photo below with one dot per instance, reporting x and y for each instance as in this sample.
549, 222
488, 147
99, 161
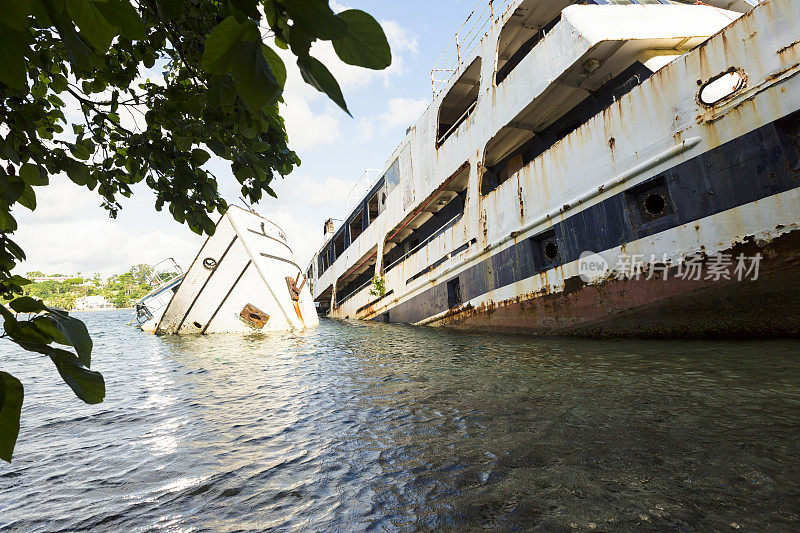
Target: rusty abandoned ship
661, 130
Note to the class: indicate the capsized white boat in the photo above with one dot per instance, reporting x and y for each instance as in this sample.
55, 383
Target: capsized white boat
245, 279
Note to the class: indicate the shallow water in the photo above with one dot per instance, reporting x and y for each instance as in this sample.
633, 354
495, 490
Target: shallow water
360, 426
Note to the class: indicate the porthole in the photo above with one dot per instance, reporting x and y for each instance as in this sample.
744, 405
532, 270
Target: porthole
654, 204
721, 87
209, 263
550, 251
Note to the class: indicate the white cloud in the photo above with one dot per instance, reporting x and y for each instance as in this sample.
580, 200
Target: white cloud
71, 232
305, 128
403, 112
400, 114
311, 120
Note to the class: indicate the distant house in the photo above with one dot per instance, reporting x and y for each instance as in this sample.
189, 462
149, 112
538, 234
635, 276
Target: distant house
89, 303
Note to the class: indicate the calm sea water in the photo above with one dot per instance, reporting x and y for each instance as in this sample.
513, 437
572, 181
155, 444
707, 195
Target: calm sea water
356, 426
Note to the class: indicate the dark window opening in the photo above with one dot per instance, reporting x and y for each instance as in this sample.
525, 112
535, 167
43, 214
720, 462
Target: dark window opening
372, 209
499, 170
357, 225
459, 101
351, 287
392, 175
546, 250
453, 293
445, 217
339, 244
520, 42
324, 259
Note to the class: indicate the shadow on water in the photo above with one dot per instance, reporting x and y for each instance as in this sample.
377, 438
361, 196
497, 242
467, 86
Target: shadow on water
362, 426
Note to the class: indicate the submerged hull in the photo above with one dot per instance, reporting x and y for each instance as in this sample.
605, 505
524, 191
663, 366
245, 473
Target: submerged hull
664, 178
244, 279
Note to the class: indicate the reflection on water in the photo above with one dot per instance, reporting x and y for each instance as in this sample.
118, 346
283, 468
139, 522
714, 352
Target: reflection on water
357, 426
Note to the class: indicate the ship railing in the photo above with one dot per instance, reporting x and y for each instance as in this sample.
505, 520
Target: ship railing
361, 186
457, 123
421, 245
485, 13
340, 301
162, 273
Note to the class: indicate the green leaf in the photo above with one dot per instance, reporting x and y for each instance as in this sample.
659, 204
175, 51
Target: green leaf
7, 222
199, 156
8, 315
87, 385
15, 13
19, 280
316, 18
223, 41
48, 327
12, 58
77, 172
276, 64
123, 15
25, 333
318, 76
252, 76
92, 23
170, 8
11, 396
28, 198
76, 334
248, 7
208, 225
33, 174
80, 151
26, 304
217, 147
365, 43
79, 54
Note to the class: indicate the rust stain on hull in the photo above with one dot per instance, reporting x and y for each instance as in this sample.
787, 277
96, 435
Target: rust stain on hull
766, 307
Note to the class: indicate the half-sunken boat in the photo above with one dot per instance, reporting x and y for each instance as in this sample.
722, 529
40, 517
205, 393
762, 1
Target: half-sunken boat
577, 161
164, 278
244, 279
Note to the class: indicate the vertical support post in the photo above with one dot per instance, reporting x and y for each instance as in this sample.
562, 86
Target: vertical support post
458, 51
491, 9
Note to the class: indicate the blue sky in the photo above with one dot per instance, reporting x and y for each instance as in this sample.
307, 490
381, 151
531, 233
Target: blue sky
70, 233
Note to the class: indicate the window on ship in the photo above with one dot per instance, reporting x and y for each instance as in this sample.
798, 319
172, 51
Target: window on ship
531, 21
339, 244
372, 209
459, 101
357, 225
520, 142
442, 209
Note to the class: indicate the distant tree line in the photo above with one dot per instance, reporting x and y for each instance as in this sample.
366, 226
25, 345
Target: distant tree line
123, 290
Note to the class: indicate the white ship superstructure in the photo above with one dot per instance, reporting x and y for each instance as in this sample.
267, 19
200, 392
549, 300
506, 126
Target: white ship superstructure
651, 129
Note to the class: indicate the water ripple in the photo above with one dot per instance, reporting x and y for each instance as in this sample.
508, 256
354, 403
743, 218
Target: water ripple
373, 427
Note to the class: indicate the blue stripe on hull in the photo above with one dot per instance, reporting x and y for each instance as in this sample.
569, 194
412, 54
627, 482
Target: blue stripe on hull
757, 165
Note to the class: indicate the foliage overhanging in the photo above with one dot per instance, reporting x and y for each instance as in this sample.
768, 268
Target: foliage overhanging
215, 88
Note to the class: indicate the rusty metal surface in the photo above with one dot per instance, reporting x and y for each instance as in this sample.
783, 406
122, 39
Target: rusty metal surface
657, 307
253, 316
660, 122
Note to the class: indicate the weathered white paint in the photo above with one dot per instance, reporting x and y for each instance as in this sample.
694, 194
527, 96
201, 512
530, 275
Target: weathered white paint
628, 140
252, 261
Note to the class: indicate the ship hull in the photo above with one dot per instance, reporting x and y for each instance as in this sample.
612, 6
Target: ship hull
661, 178
243, 280
657, 307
